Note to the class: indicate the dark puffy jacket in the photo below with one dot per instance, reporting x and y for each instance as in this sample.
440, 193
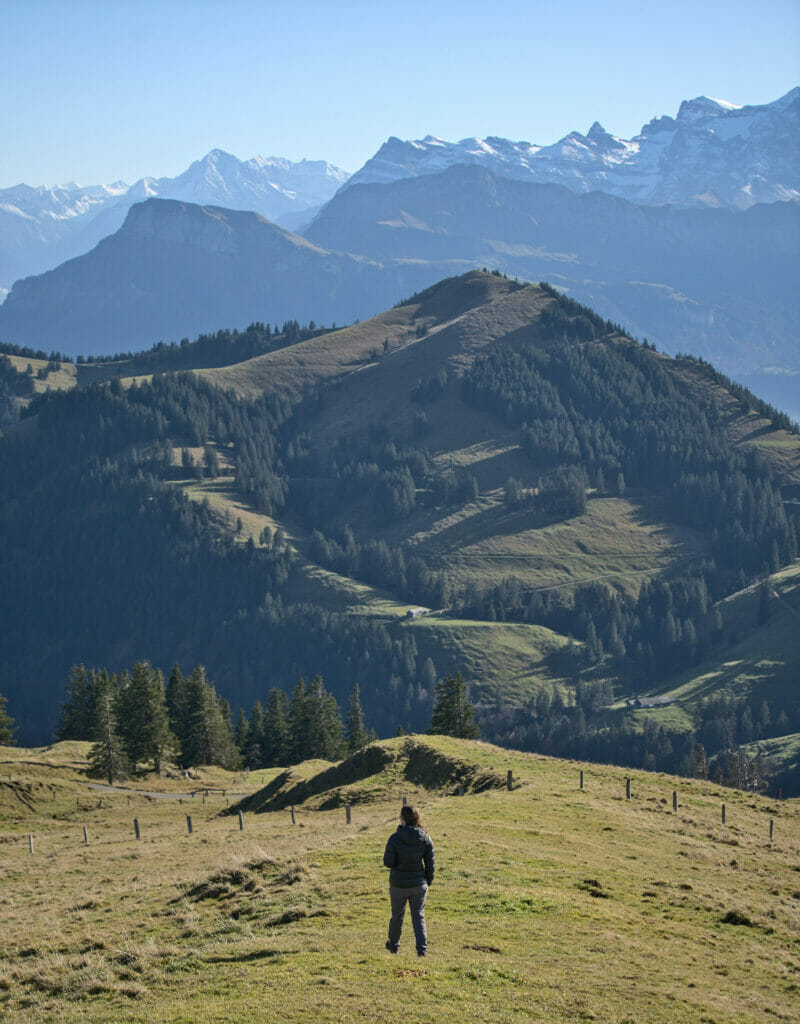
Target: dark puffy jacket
409, 854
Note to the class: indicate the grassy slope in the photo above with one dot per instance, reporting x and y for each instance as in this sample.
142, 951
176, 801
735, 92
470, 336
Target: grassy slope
550, 904
759, 660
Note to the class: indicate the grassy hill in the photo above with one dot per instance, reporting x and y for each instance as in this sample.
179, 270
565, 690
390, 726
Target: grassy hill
550, 902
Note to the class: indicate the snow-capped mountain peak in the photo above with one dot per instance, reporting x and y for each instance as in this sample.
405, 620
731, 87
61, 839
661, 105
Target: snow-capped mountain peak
41, 227
712, 153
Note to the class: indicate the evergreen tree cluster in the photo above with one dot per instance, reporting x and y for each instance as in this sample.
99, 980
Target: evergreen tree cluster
375, 562
222, 348
132, 718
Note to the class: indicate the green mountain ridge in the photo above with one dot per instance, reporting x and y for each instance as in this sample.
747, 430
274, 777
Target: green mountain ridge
485, 451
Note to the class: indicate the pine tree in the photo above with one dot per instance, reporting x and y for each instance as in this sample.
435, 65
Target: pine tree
177, 698
297, 721
276, 728
253, 750
107, 757
355, 733
144, 722
452, 713
323, 722
241, 733
209, 739
77, 710
6, 725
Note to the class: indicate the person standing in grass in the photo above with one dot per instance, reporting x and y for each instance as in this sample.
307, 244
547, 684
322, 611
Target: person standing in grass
409, 857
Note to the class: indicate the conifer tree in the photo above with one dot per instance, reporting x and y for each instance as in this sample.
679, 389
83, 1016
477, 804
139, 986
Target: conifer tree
107, 757
77, 709
6, 725
276, 728
144, 722
177, 705
355, 733
209, 739
324, 722
453, 713
253, 751
241, 733
297, 720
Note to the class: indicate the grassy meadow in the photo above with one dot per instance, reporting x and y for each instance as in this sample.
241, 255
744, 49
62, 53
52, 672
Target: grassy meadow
551, 903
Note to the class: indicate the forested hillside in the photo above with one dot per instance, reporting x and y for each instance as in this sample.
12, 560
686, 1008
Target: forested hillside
488, 477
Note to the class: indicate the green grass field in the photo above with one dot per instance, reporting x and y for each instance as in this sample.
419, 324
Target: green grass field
551, 904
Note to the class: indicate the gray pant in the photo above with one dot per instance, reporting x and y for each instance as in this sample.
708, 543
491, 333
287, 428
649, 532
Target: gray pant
416, 898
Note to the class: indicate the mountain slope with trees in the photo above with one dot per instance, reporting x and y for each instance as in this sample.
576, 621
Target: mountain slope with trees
488, 478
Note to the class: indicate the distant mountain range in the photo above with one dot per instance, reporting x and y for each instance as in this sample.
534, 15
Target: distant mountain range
42, 227
687, 234
711, 154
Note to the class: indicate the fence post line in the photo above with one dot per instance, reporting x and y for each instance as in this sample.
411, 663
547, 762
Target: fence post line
293, 821
30, 842
771, 828
347, 813
627, 789
241, 821
675, 801
723, 814
580, 784
189, 823
510, 779
136, 828
85, 836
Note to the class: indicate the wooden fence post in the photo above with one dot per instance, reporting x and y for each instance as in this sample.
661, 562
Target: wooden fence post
771, 828
347, 813
675, 801
136, 828
627, 789
241, 821
30, 842
460, 790
189, 823
293, 821
510, 779
580, 784
85, 836
723, 814
405, 800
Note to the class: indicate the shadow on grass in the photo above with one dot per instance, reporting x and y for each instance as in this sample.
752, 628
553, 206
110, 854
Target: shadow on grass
242, 958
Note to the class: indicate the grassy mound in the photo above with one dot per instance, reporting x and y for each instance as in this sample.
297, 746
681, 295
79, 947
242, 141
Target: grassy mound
377, 772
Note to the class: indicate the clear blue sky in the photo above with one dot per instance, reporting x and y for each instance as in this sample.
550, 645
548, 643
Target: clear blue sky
98, 90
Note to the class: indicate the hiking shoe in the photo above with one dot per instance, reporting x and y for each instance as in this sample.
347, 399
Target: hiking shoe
422, 952
390, 947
